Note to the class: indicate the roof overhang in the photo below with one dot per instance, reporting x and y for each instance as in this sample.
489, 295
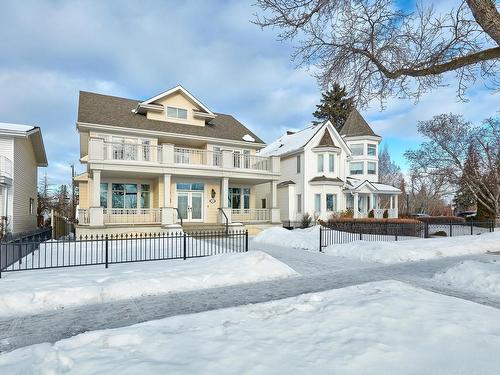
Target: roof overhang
375, 138
36, 139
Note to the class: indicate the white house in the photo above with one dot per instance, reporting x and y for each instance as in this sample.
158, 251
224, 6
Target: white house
21, 153
324, 171
155, 164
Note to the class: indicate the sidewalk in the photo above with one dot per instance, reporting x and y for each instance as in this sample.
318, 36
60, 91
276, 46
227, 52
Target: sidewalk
319, 272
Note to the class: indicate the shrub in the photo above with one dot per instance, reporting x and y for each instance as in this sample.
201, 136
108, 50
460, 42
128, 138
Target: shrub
440, 233
371, 214
306, 220
348, 213
386, 214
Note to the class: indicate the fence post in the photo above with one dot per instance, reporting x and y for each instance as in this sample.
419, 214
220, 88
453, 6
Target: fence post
471, 228
106, 249
320, 238
246, 240
426, 230
451, 229
396, 232
361, 236
184, 245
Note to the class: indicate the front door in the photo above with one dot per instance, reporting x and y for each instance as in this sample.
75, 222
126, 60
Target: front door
190, 205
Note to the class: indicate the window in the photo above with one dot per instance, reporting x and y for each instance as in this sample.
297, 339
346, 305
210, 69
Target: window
190, 186
331, 202
357, 149
298, 163
237, 159
234, 198
246, 158
299, 203
217, 156
104, 195
356, 167
182, 156
320, 162
317, 202
246, 198
124, 196
145, 196
32, 206
371, 167
124, 148
263, 203
331, 162
372, 149
175, 112
146, 150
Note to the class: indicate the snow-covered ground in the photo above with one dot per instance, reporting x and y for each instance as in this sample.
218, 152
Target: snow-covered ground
29, 292
418, 249
307, 239
376, 328
472, 276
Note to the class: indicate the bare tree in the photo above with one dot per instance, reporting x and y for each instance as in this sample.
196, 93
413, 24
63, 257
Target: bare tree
388, 171
380, 51
461, 154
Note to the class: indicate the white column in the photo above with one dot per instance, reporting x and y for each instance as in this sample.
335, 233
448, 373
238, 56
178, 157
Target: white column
396, 213
224, 192
391, 205
356, 209
274, 194
166, 190
372, 202
96, 189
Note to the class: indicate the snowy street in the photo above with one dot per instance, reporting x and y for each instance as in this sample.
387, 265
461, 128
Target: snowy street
319, 272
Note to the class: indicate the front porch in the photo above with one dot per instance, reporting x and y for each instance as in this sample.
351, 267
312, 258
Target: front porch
362, 203
145, 203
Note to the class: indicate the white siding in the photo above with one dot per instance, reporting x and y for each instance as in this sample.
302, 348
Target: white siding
24, 186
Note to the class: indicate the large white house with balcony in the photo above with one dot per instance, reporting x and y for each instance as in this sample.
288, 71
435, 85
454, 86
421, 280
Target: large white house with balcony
325, 171
21, 153
167, 162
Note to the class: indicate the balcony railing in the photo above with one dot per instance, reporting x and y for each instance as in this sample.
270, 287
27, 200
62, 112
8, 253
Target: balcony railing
169, 154
5, 167
132, 215
250, 215
83, 216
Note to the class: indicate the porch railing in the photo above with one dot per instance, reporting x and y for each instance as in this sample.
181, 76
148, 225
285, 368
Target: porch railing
83, 216
132, 152
251, 214
5, 167
197, 157
132, 215
245, 161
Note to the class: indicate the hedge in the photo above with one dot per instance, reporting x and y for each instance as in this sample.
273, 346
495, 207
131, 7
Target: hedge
441, 219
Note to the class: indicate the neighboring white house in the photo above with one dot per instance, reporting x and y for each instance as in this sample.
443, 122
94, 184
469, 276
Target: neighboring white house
324, 171
21, 153
151, 163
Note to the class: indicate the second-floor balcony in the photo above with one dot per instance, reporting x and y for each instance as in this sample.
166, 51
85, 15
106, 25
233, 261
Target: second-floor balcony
168, 154
5, 167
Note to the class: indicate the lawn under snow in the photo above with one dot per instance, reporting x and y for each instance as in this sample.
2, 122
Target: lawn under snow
376, 328
476, 277
418, 249
29, 292
307, 239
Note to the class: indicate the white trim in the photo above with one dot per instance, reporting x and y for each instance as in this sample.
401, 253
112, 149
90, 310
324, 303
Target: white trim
184, 91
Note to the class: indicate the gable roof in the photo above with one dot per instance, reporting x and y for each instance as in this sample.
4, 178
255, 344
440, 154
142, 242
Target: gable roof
356, 125
354, 184
109, 110
33, 133
290, 142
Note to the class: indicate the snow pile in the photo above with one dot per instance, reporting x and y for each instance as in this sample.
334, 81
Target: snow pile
376, 328
30, 292
307, 239
418, 249
476, 277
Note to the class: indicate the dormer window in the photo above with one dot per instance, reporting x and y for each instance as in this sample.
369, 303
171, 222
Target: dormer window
179, 113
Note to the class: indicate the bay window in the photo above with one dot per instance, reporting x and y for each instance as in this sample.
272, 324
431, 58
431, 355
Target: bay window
371, 167
320, 163
372, 149
331, 202
331, 163
356, 167
357, 149
317, 202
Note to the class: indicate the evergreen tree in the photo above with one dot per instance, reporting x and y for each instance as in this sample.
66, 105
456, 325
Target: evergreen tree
334, 106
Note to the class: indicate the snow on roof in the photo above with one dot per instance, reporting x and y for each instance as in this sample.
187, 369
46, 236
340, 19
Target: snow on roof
385, 187
248, 138
290, 142
355, 184
15, 127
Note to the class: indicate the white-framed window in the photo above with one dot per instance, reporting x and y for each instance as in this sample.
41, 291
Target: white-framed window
371, 167
217, 156
331, 202
357, 149
237, 196
298, 163
321, 162
356, 167
372, 149
146, 149
317, 202
331, 162
246, 158
299, 203
104, 194
174, 112
124, 148
237, 159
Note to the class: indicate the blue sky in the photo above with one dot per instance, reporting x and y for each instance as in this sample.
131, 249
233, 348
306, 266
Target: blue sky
53, 49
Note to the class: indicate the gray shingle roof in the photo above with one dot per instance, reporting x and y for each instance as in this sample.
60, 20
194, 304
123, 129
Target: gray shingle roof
114, 111
285, 183
356, 125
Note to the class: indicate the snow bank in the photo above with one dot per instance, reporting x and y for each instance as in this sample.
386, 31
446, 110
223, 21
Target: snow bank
376, 328
307, 239
29, 292
476, 277
418, 249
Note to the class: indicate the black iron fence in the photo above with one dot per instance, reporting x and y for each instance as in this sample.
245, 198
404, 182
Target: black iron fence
345, 232
112, 249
